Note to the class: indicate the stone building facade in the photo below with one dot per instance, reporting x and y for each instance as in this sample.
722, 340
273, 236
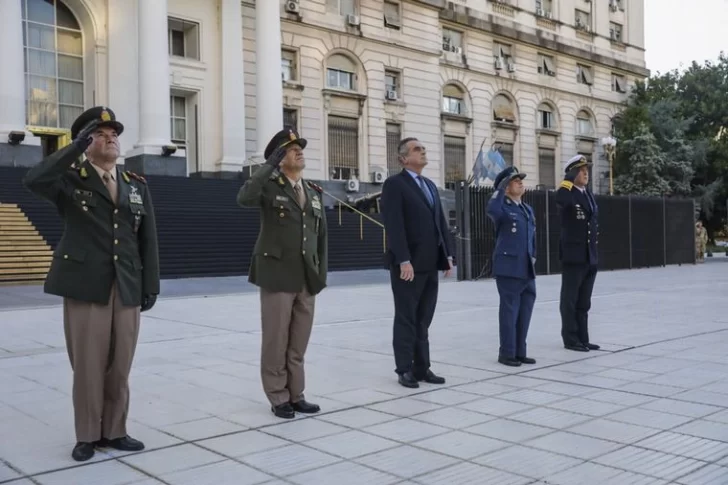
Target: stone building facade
539, 79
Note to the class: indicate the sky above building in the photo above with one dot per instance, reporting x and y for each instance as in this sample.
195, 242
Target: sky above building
678, 32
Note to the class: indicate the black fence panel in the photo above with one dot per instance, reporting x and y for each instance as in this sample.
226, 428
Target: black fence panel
634, 232
614, 232
679, 242
648, 232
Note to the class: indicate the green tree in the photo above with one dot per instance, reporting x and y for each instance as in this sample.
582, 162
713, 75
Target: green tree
647, 165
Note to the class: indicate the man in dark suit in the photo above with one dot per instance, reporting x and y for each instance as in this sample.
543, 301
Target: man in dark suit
578, 253
417, 247
513, 264
106, 268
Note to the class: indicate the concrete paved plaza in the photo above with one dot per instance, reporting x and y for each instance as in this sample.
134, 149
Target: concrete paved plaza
652, 408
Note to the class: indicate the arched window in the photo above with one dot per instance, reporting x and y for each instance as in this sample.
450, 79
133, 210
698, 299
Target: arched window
53, 49
504, 109
584, 124
340, 72
453, 100
546, 117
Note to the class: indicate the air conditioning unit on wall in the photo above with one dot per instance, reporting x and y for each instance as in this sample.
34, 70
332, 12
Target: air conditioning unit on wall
352, 185
293, 6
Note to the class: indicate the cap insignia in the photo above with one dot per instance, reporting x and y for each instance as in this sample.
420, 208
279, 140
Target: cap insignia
105, 116
291, 135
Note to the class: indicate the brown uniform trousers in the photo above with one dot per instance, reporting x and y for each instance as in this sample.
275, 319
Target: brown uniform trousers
101, 340
287, 319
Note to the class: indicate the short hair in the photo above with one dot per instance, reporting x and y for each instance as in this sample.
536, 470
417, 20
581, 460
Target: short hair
402, 149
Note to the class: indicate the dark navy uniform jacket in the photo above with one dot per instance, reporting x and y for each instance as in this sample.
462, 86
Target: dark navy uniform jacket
579, 225
515, 232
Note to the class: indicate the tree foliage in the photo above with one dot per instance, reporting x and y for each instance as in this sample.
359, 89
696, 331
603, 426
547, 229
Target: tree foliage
673, 137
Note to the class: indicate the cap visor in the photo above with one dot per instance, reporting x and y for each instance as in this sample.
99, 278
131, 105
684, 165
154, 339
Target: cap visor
113, 124
518, 176
302, 142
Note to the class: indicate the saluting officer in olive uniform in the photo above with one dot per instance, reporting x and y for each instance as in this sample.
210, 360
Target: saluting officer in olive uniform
578, 253
105, 267
514, 258
289, 264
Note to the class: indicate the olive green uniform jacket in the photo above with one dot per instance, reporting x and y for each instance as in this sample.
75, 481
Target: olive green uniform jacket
291, 251
102, 243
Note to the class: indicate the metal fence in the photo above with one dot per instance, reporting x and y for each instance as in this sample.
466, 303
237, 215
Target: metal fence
634, 232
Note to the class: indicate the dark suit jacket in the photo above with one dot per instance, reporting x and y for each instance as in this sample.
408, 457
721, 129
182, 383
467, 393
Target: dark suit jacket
292, 246
101, 242
579, 225
416, 232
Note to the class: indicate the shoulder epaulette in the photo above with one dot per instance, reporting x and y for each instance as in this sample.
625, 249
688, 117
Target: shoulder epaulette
567, 185
127, 174
315, 187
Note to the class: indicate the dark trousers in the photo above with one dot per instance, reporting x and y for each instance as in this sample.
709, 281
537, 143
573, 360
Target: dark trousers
414, 307
577, 283
517, 297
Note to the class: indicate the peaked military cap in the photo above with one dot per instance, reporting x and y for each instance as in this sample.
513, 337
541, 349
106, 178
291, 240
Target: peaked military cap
283, 138
105, 115
577, 161
511, 173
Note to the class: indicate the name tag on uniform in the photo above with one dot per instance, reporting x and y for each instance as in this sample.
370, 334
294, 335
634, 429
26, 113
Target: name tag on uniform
134, 197
281, 198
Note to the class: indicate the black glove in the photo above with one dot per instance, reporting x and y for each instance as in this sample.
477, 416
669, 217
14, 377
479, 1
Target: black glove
572, 174
276, 157
83, 139
148, 302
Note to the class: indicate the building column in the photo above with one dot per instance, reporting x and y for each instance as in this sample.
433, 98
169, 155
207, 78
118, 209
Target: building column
269, 86
12, 86
233, 87
154, 111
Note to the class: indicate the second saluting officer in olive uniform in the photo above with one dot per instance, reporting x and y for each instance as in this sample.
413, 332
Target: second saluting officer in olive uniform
106, 268
578, 252
289, 264
513, 264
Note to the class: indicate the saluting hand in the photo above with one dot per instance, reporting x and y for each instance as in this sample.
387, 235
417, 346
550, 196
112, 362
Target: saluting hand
84, 139
276, 157
406, 271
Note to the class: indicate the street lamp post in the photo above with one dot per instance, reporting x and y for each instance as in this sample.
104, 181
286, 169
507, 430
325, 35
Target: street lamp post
610, 144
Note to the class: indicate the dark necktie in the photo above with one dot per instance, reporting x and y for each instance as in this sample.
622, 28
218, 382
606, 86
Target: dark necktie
425, 190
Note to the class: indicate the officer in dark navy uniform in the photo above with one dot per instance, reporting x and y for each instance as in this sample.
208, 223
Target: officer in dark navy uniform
578, 253
514, 258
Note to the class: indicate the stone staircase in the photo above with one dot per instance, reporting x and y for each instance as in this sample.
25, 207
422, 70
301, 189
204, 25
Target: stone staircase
24, 255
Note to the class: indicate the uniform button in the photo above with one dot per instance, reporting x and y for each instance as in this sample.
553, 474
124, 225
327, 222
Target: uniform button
65, 256
303, 252
116, 241
304, 214
265, 254
116, 257
83, 202
116, 211
304, 226
304, 239
85, 208
282, 214
116, 226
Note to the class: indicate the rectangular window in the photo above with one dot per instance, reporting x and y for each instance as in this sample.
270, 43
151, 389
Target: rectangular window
452, 105
391, 85
289, 69
546, 119
343, 147
394, 135
290, 118
339, 79
615, 32
619, 83
502, 51
178, 111
454, 160
546, 65
452, 40
584, 75
582, 20
347, 7
544, 7
547, 167
506, 150
184, 38
392, 15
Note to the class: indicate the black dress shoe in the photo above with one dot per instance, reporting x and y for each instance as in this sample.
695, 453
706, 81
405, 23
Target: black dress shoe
305, 407
83, 451
510, 361
577, 347
408, 380
284, 411
431, 378
526, 360
126, 443
592, 346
